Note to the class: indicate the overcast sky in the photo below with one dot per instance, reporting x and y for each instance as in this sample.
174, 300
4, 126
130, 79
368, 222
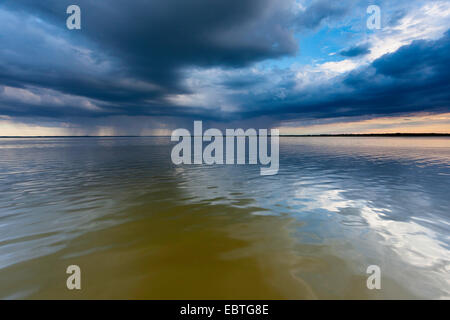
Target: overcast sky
147, 67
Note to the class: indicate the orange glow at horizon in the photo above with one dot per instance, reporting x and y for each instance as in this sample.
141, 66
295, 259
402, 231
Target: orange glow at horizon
420, 123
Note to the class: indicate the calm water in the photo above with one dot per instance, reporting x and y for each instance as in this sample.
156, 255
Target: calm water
140, 227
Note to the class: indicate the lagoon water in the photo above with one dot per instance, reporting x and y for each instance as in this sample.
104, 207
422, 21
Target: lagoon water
140, 227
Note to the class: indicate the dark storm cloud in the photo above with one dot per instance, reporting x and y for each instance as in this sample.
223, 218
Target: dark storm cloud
153, 39
131, 57
355, 51
132, 54
414, 78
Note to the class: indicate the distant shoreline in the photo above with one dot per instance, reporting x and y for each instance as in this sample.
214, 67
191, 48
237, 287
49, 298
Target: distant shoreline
285, 135
373, 135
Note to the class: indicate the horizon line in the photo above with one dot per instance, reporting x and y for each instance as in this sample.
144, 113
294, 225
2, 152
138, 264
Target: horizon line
398, 134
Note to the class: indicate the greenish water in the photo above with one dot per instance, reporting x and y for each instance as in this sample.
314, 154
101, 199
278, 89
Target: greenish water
140, 227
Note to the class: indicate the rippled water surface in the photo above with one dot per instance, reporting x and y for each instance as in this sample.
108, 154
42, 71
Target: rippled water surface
140, 227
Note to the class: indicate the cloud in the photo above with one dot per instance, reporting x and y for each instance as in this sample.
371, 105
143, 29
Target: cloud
153, 39
179, 60
413, 79
129, 59
355, 51
320, 11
